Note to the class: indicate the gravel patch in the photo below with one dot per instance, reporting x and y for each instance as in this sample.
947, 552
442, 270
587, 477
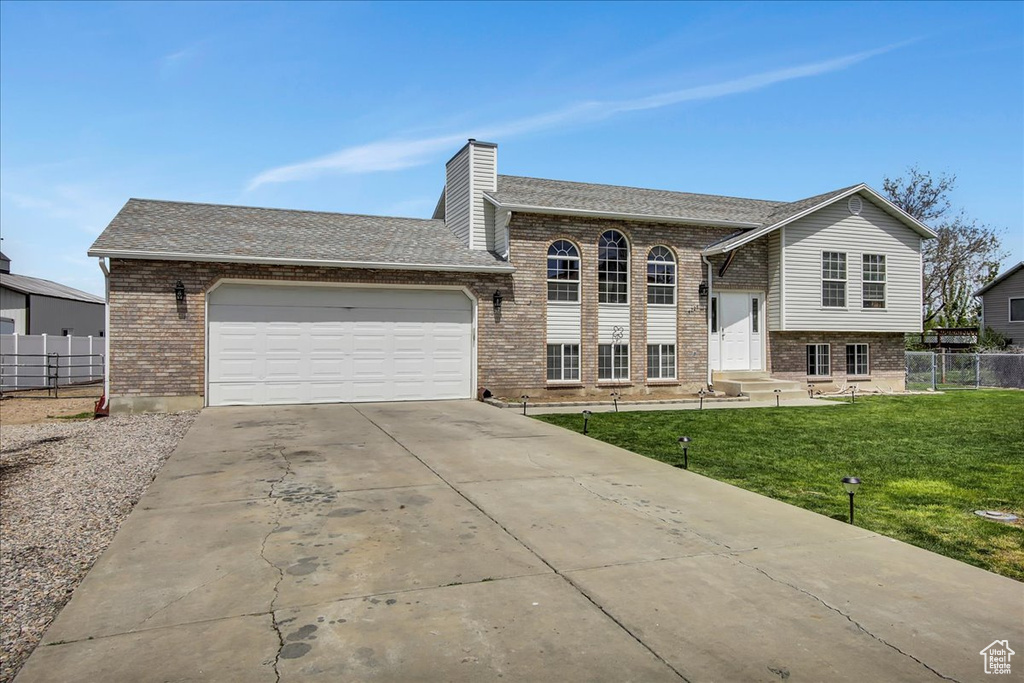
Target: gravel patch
65, 488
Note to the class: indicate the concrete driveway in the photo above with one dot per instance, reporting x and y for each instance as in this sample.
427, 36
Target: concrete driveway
459, 542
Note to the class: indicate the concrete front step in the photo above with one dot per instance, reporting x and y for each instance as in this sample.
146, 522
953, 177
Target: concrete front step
759, 387
784, 395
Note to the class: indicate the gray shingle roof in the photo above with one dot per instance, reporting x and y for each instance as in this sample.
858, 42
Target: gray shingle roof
41, 287
150, 229
539, 192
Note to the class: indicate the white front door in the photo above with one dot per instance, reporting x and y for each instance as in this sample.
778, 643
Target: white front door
740, 331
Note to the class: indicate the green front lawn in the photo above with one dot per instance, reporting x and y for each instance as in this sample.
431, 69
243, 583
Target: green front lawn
926, 462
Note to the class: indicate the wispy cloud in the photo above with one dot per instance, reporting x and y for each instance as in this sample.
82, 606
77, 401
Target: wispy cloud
400, 153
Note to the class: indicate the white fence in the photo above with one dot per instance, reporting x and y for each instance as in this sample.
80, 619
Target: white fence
40, 361
959, 370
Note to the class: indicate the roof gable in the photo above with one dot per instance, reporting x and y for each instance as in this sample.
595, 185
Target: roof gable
1000, 278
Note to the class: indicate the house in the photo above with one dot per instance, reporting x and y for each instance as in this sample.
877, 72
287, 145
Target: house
517, 285
31, 305
1002, 304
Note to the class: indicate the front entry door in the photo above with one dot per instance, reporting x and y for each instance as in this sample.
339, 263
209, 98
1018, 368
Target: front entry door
740, 325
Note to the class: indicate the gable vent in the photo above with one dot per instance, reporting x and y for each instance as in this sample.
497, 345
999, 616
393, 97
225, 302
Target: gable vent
855, 204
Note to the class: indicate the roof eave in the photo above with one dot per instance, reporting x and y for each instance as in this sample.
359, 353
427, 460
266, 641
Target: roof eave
911, 222
650, 218
275, 261
1000, 279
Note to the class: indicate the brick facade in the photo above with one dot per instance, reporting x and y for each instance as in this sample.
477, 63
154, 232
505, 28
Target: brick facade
886, 359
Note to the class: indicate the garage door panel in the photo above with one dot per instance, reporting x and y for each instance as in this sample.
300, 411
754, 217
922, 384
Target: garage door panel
280, 345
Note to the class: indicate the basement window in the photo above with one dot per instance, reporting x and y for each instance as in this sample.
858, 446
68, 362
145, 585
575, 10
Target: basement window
818, 361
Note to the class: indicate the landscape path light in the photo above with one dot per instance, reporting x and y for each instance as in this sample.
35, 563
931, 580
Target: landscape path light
524, 398
853, 393
851, 484
586, 419
778, 395
810, 391
615, 400
701, 394
684, 443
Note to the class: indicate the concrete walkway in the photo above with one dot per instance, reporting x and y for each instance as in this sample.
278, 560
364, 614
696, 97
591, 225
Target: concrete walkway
454, 541
709, 404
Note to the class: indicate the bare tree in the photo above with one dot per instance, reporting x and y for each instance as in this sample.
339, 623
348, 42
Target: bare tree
962, 258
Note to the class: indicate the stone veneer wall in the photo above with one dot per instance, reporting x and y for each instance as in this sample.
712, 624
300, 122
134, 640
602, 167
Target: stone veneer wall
530, 236
158, 347
886, 359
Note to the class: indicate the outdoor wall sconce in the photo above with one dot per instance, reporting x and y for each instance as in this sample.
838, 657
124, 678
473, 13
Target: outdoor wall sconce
684, 443
179, 292
497, 298
778, 394
524, 398
701, 394
586, 419
702, 289
851, 484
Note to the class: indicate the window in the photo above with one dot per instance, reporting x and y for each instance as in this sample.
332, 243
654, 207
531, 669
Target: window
661, 277
612, 268
818, 360
755, 314
563, 271
563, 362
1017, 310
833, 279
714, 315
873, 283
856, 359
612, 361
661, 361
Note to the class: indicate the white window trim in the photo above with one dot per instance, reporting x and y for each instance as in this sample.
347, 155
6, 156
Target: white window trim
1009, 309
845, 281
614, 380
675, 363
884, 282
675, 276
579, 272
867, 353
819, 376
629, 270
579, 366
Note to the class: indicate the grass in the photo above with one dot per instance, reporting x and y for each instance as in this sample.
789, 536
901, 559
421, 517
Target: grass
87, 415
926, 462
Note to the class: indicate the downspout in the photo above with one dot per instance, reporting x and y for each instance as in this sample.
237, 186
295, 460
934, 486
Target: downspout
711, 272
106, 337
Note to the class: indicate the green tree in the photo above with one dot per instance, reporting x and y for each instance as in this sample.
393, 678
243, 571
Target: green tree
963, 257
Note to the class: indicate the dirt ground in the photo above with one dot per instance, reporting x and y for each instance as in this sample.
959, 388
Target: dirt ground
30, 407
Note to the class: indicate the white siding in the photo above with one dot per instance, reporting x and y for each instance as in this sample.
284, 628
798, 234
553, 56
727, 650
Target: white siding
775, 280
484, 163
834, 228
610, 316
563, 323
12, 305
661, 324
500, 230
50, 315
457, 195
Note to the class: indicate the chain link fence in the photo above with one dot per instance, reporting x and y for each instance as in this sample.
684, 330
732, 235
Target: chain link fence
941, 371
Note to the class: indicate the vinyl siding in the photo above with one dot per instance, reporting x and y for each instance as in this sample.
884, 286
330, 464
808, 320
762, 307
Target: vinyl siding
484, 162
661, 324
834, 228
457, 195
775, 280
51, 316
563, 323
996, 307
12, 305
610, 316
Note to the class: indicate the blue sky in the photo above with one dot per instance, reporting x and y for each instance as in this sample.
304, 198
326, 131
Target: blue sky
355, 107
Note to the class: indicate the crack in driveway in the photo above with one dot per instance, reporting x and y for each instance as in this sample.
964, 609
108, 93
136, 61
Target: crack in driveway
263, 554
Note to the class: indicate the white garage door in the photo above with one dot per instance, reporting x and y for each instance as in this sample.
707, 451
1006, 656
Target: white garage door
280, 345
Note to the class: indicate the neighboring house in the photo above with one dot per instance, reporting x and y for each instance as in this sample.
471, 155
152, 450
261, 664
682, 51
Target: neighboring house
31, 305
1002, 305
517, 285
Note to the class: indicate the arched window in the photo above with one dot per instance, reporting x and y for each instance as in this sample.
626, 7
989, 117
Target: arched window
563, 271
612, 268
661, 276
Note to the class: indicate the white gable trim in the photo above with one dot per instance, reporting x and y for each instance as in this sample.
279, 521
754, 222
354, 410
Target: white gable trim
901, 215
